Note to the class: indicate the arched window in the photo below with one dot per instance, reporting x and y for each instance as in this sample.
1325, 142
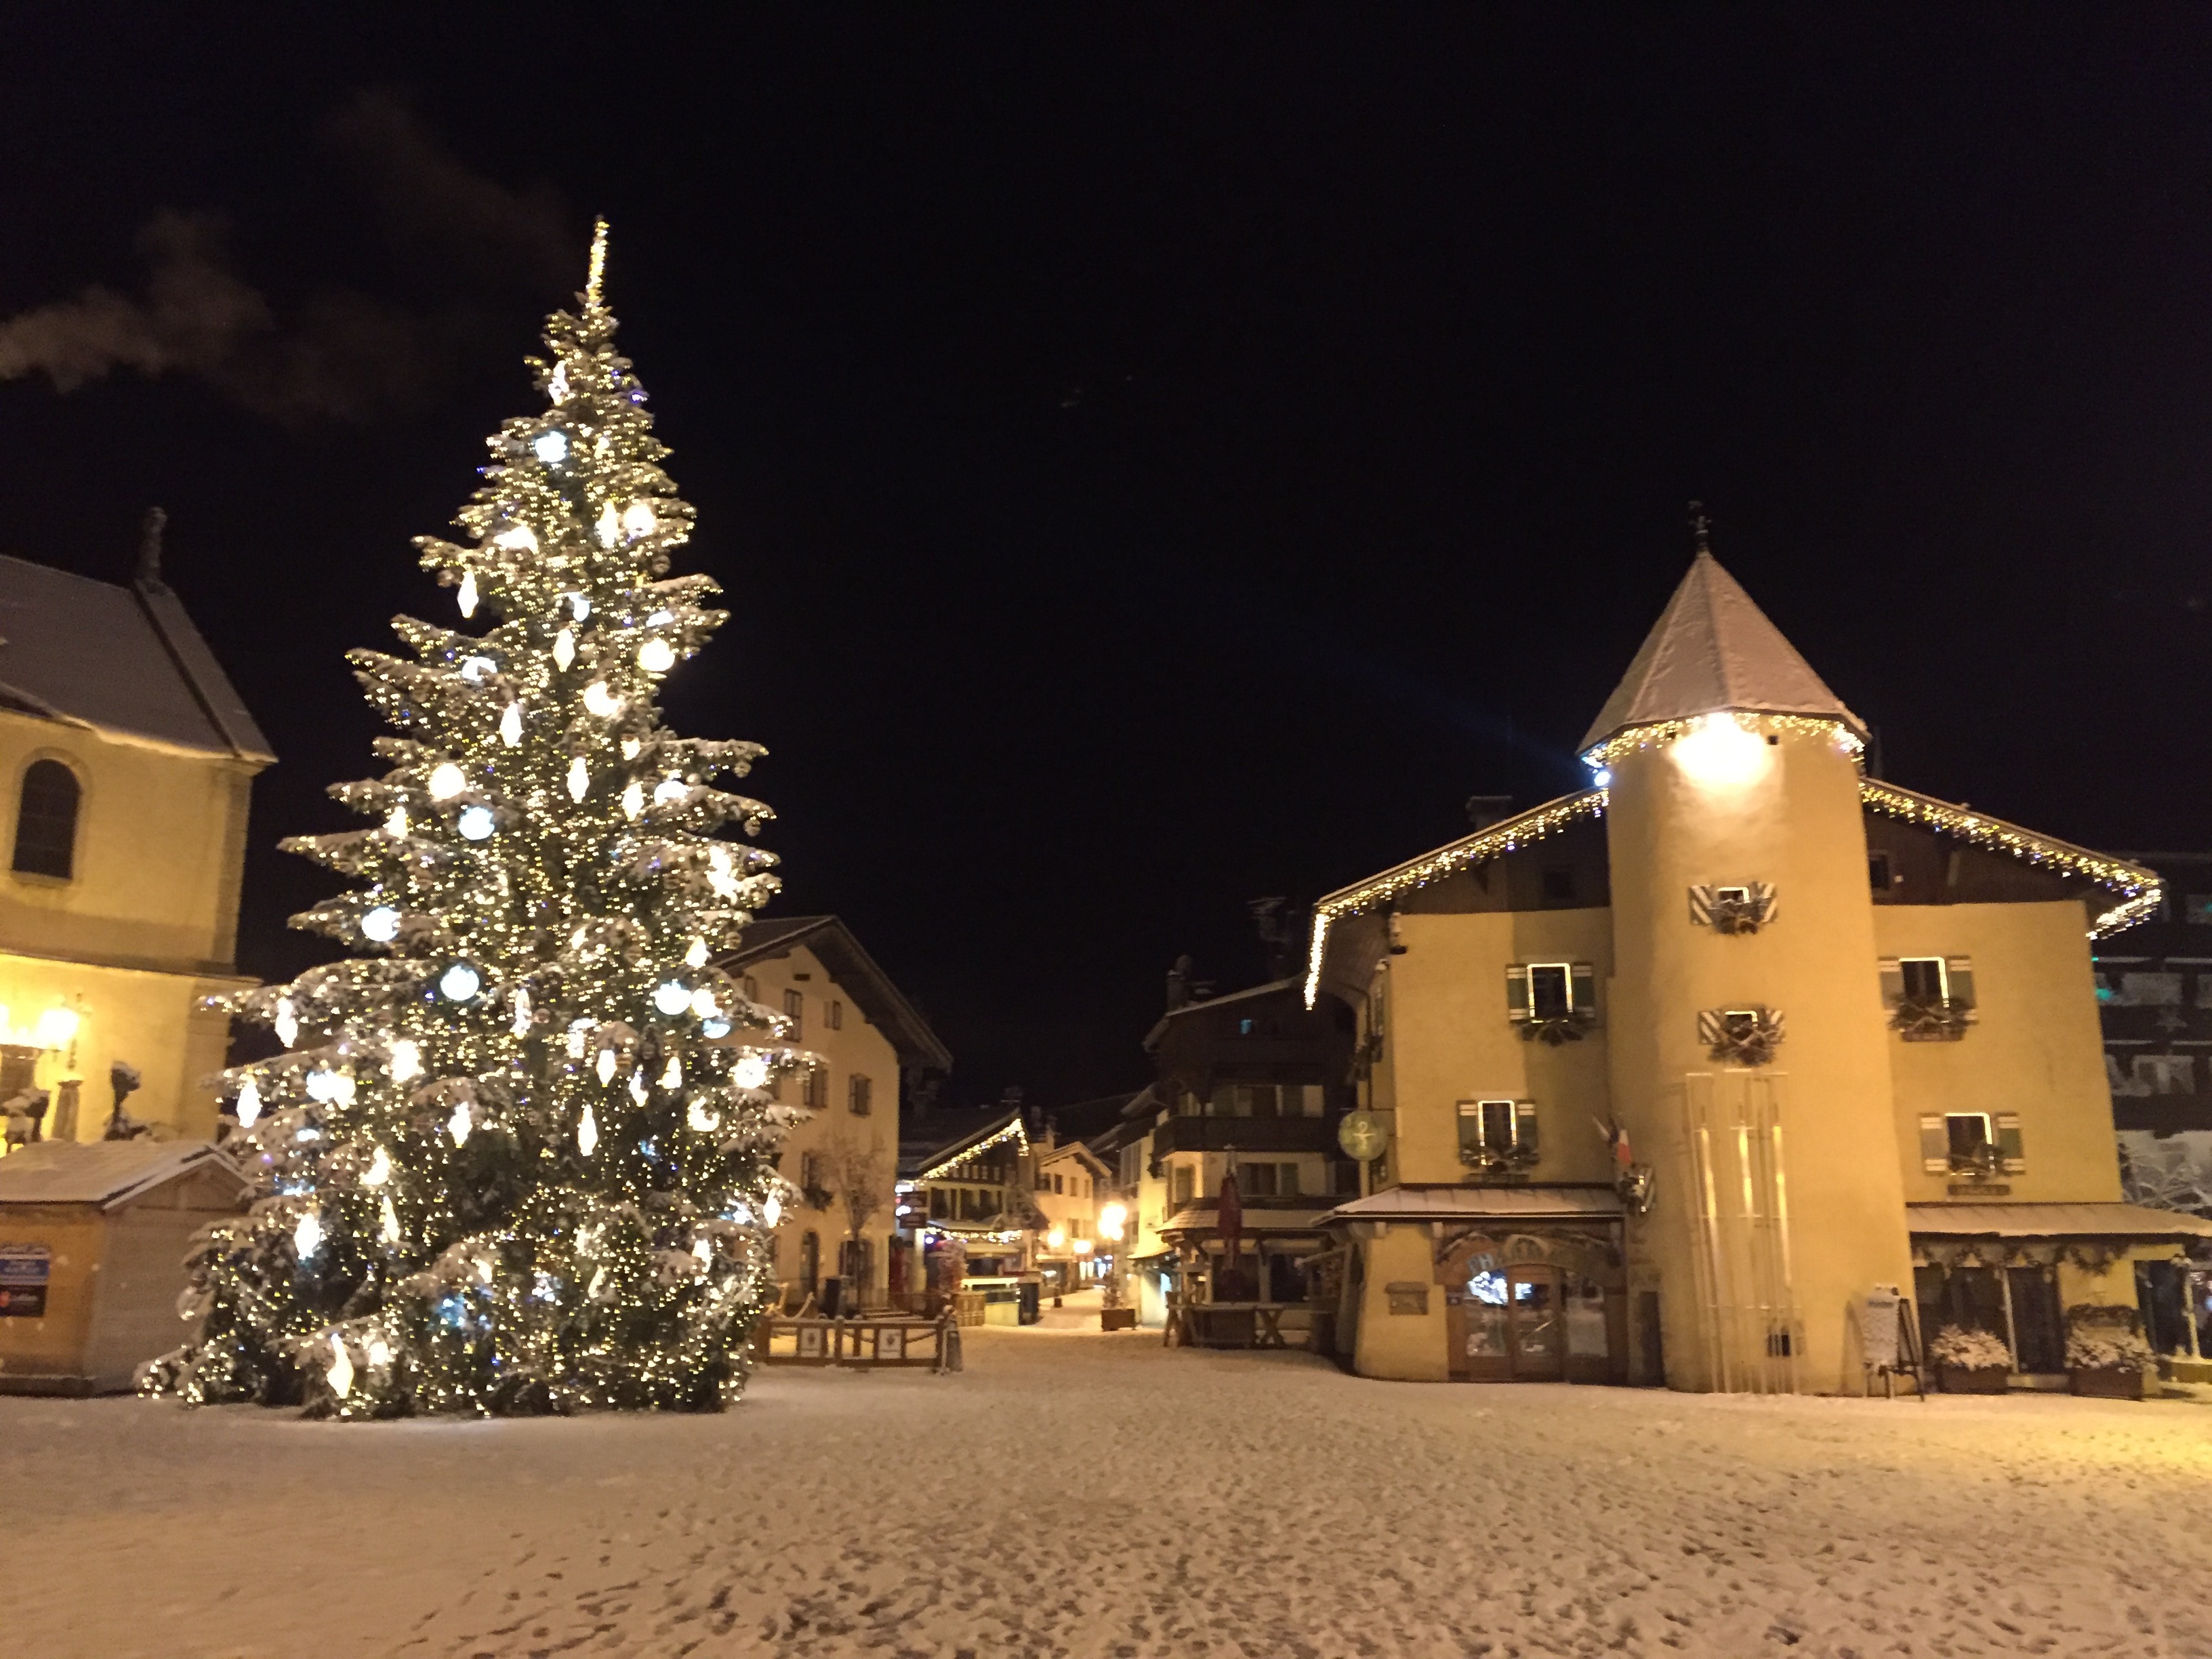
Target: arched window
45, 821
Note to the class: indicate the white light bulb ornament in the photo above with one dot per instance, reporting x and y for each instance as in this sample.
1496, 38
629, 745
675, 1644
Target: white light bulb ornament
697, 956
249, 1104
467, 599
610, 525
606, 1066
380, 925
601, 701
307, 1236
749, 1072
391, 1218
579, 779
587, 1138
510, 726
564, 648
379, 1171
671, 997
287, 1023
638, 520
656, 656
633, 800
462, 1121
340, 1375
446, 780
476, 823
406, 1060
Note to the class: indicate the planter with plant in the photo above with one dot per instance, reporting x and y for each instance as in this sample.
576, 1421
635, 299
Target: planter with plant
2105, 1354
1970, 1362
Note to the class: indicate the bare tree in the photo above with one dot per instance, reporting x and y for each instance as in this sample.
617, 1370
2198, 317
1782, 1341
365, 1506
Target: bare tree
862, 1176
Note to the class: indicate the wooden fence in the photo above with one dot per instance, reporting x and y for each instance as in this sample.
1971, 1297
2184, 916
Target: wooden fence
867, 1342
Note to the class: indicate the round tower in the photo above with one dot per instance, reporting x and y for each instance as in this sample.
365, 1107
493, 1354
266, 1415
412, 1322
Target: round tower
1750, 1059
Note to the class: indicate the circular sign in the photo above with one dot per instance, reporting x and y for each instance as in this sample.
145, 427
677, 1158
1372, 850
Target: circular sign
1363, 1135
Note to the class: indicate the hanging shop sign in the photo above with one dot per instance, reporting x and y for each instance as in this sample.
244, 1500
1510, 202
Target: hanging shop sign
1363, 1135
24, 1270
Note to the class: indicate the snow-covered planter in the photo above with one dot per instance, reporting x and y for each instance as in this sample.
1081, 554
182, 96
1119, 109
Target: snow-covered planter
2106, 1356
1970, 1362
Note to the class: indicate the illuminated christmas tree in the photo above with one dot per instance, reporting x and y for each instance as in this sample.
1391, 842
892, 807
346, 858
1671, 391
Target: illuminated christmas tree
516, 1155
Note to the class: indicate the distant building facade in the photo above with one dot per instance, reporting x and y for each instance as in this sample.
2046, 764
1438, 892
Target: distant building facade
2154, 986
126, 768
1684, 1073
1251, 1085
839, 1244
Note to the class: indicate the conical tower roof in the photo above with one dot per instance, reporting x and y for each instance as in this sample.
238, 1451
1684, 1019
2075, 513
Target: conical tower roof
1713, 650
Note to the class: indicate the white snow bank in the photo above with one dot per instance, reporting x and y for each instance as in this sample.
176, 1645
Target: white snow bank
1098, 1498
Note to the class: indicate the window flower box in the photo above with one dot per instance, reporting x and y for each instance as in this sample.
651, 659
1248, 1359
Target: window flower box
1965, 1379
2107, 1382
2106, 1353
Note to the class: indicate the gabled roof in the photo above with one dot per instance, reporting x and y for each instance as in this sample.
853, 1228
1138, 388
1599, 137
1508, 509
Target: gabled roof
122, 660
1711, 650
1202, 1003
944, 1138
109, 1173
857, 974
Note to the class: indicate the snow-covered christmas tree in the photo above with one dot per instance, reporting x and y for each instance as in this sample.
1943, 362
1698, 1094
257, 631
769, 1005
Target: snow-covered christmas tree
516, 1156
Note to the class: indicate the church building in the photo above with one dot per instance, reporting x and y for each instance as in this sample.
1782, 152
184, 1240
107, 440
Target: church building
1682, 1072
126, 768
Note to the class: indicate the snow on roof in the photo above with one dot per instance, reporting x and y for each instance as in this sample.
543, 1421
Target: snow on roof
121, 659
106, 1172
1713, 649
857, 974
2052, 1221
1477, 1204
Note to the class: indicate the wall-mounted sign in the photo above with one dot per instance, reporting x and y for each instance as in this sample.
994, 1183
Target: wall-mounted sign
24, 1269
1363, 1135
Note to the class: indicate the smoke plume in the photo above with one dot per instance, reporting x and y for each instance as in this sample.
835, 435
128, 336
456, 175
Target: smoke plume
340, 353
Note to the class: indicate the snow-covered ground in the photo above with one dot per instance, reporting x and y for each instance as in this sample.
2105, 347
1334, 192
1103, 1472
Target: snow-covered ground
1077, 1494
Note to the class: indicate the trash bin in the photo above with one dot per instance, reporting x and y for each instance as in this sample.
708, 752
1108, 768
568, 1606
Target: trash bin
1030, 1300
832, 1299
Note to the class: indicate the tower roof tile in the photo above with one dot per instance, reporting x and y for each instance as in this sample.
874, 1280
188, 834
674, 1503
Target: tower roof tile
1713, 650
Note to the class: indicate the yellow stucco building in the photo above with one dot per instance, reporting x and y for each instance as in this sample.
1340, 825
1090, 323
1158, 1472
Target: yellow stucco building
841, 1149
126, 763
1684, 1075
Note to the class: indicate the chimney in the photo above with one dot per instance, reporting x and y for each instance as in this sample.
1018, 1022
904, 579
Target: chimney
148, 572
1483, 810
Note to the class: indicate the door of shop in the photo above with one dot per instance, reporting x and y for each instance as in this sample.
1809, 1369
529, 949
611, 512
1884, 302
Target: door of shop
1536, 1335
1507, 1327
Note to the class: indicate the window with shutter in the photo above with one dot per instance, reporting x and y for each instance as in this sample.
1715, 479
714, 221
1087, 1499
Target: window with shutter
1924, 981
1494, 1134
794, 1008
1550, 990
1959, 981
1970, 1144
1935, 1145
1516, 991
1585, 990
860, 1095
1524, 1129
2008, 1144
1892, 982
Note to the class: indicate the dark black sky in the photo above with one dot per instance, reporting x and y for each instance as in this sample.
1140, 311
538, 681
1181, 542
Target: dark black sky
1161, 459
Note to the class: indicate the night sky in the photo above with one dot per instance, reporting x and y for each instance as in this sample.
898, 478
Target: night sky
1159, 457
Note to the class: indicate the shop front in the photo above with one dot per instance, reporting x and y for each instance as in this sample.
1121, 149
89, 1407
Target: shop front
2031, 1277
1474, 1284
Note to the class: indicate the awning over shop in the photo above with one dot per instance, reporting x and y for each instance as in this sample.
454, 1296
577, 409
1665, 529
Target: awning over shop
1441, 1203
2051, 1221
1206, 1219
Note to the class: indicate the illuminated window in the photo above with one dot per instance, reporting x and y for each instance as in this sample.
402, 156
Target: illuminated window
1966, 1136
45, 821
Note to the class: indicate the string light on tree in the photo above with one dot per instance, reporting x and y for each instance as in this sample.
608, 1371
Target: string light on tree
434, 1229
